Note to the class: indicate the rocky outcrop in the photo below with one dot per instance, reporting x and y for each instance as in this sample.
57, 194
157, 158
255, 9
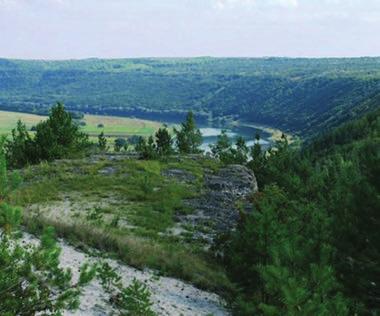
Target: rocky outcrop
180, 175
217, 210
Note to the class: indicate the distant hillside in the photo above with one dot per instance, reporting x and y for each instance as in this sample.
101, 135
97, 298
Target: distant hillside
297, 95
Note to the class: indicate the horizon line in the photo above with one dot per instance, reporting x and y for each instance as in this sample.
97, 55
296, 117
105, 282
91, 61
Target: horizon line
191, 57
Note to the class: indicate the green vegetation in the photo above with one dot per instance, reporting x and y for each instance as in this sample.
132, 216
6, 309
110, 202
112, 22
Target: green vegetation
93, 125
125, 208
311, 244
31, 280
8, 121
188, 137
159, 147
293, 94
114, 127
102, 142
226, 153
57, 137
133, 300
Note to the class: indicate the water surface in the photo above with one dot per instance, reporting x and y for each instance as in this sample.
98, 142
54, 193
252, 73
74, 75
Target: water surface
210, 135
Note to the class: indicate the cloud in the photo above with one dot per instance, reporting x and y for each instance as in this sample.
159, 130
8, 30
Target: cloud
224, 4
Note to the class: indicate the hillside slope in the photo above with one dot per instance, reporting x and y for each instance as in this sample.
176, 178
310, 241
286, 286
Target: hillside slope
297, 95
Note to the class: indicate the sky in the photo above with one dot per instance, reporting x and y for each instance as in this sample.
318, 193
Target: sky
68, 29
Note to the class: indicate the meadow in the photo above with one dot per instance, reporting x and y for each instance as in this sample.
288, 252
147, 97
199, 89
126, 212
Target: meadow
112, 126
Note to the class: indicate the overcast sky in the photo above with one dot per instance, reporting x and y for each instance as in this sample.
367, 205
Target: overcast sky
61, 29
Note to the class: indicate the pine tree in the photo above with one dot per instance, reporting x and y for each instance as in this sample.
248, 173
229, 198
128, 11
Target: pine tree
241, 152
58, 136
222, 148
146, 149
189, 137
20, 148
3, 171
163, 142
282, 256
135, 300
31, 280
258, 161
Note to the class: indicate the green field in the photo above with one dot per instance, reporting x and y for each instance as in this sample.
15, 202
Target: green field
8, 120
112, 126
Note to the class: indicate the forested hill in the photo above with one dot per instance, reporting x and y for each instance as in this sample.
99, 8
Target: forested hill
298, 95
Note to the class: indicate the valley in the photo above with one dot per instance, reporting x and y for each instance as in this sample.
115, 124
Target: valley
189, 158
296, 95
123, 127
160, 215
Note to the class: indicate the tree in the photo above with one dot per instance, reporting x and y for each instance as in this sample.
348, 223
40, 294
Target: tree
189, 137
241, 152
58, 136
221, 149
31, 280
102, 142
257, 163
119, 144
228, 154
281, 255
163, 142
20, 148
7, 183
146, 149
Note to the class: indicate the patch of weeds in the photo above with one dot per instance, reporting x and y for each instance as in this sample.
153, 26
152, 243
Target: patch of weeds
108, 277
135, 300
95, 214
115, 221
39, 192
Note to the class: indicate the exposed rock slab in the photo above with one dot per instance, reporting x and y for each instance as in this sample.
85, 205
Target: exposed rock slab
216, 211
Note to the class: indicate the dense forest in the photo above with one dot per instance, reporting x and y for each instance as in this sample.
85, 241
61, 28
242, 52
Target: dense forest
311, 244
293, 94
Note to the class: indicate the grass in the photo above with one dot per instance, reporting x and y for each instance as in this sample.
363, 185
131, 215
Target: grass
119, 126
113, 126
127, 212
8, 120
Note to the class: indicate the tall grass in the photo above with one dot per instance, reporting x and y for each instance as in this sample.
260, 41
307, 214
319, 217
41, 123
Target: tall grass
168, 259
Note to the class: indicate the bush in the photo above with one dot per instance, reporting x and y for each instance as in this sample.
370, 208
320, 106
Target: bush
119, 144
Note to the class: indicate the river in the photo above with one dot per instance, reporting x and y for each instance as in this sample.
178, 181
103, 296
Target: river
210, 135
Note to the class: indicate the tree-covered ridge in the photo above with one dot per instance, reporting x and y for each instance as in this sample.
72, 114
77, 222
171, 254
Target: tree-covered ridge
299, 95
311, 244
